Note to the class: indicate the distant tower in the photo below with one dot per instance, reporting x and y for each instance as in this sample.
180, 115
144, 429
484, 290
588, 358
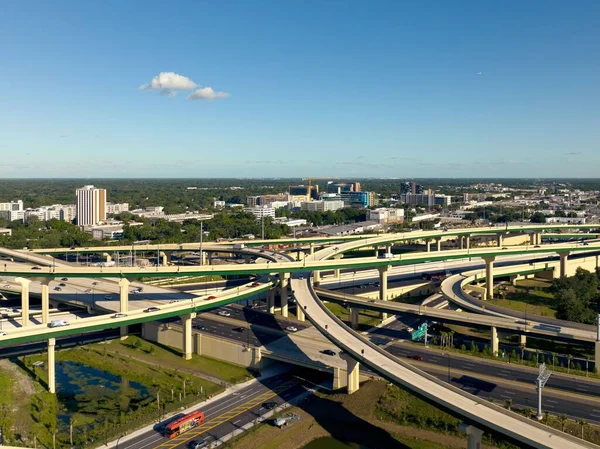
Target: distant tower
91, 205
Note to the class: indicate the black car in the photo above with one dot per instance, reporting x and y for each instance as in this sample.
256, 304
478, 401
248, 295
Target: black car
64, 279
328, 352
240, 329
152, 309
35, 268
270, 405
62, 284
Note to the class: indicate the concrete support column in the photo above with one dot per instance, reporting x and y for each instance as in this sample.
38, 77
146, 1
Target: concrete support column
473, 436
45, 301
522, 340
271, 302
283, 292
337, 379
499, 240
124, 295
489, 276
316, 277
24, 300
383, 277
51, 366
428, 244
388, 249
164, 260
467, 242
352, 370
494, 341
461, 241
186, 322
563, 264
210, 257
300, 313
532, 238
311, 249
438, 243
539, 238
123, 302
107, 258
354, 318
203, 259
336, 271
376, 248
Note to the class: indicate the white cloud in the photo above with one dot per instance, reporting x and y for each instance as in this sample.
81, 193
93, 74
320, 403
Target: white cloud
207, 93
169, 81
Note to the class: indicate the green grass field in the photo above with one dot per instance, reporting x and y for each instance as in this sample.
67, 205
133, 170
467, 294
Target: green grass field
167, 356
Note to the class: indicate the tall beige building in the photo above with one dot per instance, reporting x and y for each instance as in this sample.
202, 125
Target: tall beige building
91, 205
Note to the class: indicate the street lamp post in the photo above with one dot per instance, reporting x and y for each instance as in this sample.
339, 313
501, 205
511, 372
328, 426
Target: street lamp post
448, 359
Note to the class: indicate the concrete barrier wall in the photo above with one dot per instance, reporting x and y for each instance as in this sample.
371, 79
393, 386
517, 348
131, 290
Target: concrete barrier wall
207, 345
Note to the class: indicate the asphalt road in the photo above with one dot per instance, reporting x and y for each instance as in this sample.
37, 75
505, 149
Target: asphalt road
227, 414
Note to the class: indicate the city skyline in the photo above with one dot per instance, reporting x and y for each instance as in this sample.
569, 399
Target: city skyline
312, 89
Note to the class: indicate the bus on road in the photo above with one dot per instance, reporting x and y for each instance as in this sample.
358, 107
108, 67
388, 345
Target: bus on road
183, 424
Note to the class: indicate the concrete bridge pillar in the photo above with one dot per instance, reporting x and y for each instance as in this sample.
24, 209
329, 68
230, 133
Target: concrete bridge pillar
376, 251
438, 243
428, 245
353, 373
186, 322
489, 276
467, 242
388, 249
499, 240
311, 249
24, 300
203, 260
383, 277
283, 292
354, 318
45, 301
336, 271
563, 263
123, 302
107, 258
461, 242
271, 301
164, 259
210, 258
494, 341
316, 277
300, 313
522, 340
51, 366
473, 436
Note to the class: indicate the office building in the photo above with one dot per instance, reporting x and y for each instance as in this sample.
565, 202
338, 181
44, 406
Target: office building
411, 187
12, 210
322, 205
91, 205
260, 212
339, 187
386, 215
116, 208
309, 192
358, 199
424, 199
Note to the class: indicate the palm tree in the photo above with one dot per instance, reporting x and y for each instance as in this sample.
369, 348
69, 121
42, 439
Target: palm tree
563, 421
582, 423
569, 358
587, 365
508, 404
527, 412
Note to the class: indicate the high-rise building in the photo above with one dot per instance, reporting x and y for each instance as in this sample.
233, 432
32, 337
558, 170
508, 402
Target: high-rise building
339, 187
411, 187
91, 205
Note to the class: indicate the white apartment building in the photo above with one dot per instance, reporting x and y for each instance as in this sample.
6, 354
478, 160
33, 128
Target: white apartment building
260, 212
12, 210
218, 204
322, 206
91, 205
385, 215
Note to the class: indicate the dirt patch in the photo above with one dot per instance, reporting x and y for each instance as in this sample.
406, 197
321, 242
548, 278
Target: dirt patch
24, 385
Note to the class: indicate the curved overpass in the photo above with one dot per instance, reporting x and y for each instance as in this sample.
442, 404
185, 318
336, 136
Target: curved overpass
471, 409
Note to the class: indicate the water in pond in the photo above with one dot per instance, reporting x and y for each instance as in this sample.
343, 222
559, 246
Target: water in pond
332, 443
85, 389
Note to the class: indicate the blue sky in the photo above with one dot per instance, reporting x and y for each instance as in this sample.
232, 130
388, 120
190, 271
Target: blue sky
306, 88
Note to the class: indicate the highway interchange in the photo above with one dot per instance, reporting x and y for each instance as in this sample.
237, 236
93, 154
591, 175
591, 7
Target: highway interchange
498, 390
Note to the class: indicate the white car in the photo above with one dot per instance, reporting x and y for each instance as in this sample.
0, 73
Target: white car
7, 286
119, 315
3, 334
291, 329
58, 323
224, 313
